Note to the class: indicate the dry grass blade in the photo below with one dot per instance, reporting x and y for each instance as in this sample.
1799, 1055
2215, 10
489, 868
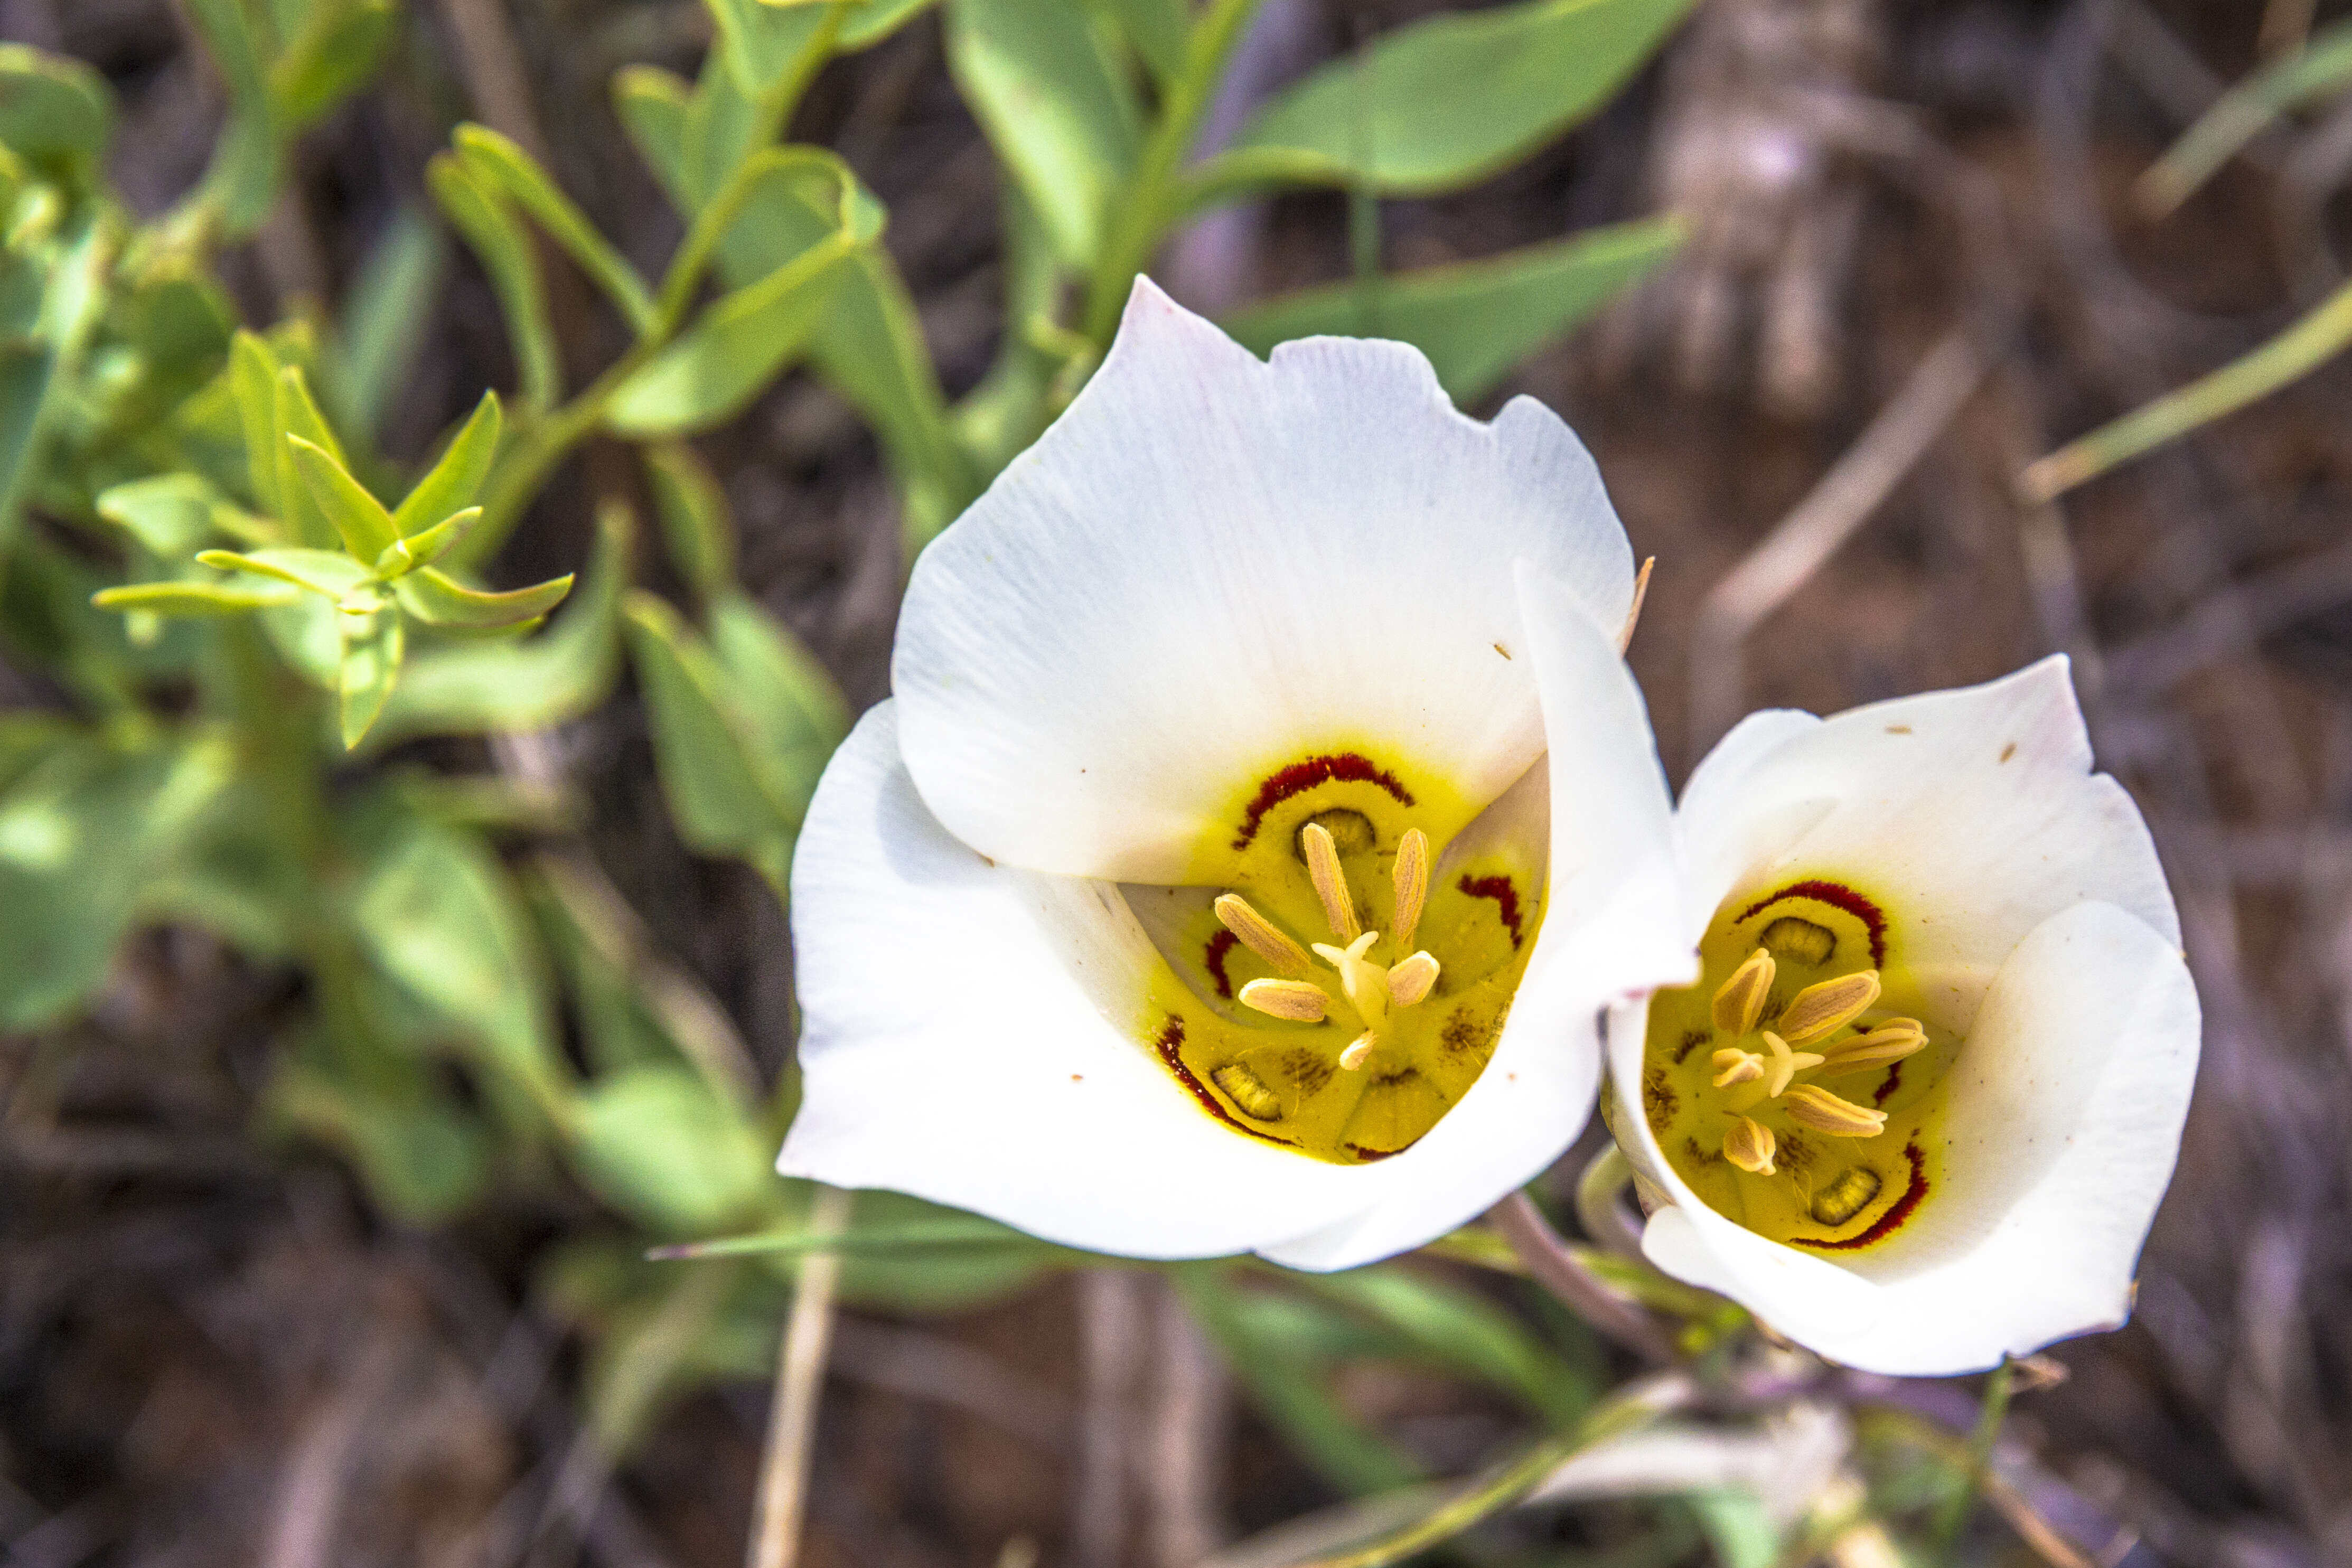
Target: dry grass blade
1828, 516
799, 1379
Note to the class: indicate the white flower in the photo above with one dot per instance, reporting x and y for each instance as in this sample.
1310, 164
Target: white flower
1209, 840
1919, 1110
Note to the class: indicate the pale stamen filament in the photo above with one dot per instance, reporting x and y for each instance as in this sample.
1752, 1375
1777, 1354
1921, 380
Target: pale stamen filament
1330, 881
1786, 1064
1821, 1010
1409, 981
1263, 937
1812, 1106
1737, 1067
1751, 1145
1301, 1001
1884, 1045
1740, 1000
1365, 982
1412, 876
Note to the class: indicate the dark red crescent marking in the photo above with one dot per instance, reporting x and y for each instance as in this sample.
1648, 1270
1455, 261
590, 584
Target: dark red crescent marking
1893, 1081
1369, 1156
1171, 1042
1345, 767
1841, 896
1887, 1223
1222, 944
1506, 897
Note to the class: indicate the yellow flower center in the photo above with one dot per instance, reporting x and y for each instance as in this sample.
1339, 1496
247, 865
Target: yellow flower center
1337, 997
1789, 1089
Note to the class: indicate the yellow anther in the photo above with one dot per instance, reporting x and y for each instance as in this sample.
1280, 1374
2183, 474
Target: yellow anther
1365, 982
1786, 1064
1737, 1067
1408, 982
1262, 937
1358, 1050
1411, 884
1330, 881
1812, 1106
1740, 1000
1301, 1001
1818, 1011
1751, 1145
1889, 1042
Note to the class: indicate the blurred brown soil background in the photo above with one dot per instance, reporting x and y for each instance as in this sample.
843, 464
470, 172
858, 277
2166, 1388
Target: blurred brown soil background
213, 1351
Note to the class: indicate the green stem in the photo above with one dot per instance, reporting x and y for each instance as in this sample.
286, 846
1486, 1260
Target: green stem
1149, 204
1954, 1516
536, 452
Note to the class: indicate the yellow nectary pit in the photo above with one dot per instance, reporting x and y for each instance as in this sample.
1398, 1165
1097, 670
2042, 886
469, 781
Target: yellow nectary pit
1337, 997
1794, 1089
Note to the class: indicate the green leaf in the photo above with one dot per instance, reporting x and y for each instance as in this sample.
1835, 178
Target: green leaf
438, 599
53, 110
1475, 319
437, 912
2320, 68
332, 57
652, 105
1443, 103
693, 512
307, 519
453, 482
424, 1160
374, 647
481, 213
1294, 1395
171, 515
871, 350
761, 43
360, 519
1157, 29
1465, 1333
381, 326
190, 599
424, 547
78, 833
326, 571
1063, 121
557, 676
656, 1144
253, 383
240, 184
733, 350
725, 799
791, 710
495, 159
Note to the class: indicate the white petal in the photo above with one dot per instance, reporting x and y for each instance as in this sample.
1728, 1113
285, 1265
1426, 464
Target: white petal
1213, 568
1972, 814
2067, 1105
2066, 1121
955, 1043
1611, 926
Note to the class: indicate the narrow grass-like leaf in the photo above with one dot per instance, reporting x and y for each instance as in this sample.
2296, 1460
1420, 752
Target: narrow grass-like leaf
482, 214
192, 599
2311, 342
374, 647
2322, 68
325, 572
